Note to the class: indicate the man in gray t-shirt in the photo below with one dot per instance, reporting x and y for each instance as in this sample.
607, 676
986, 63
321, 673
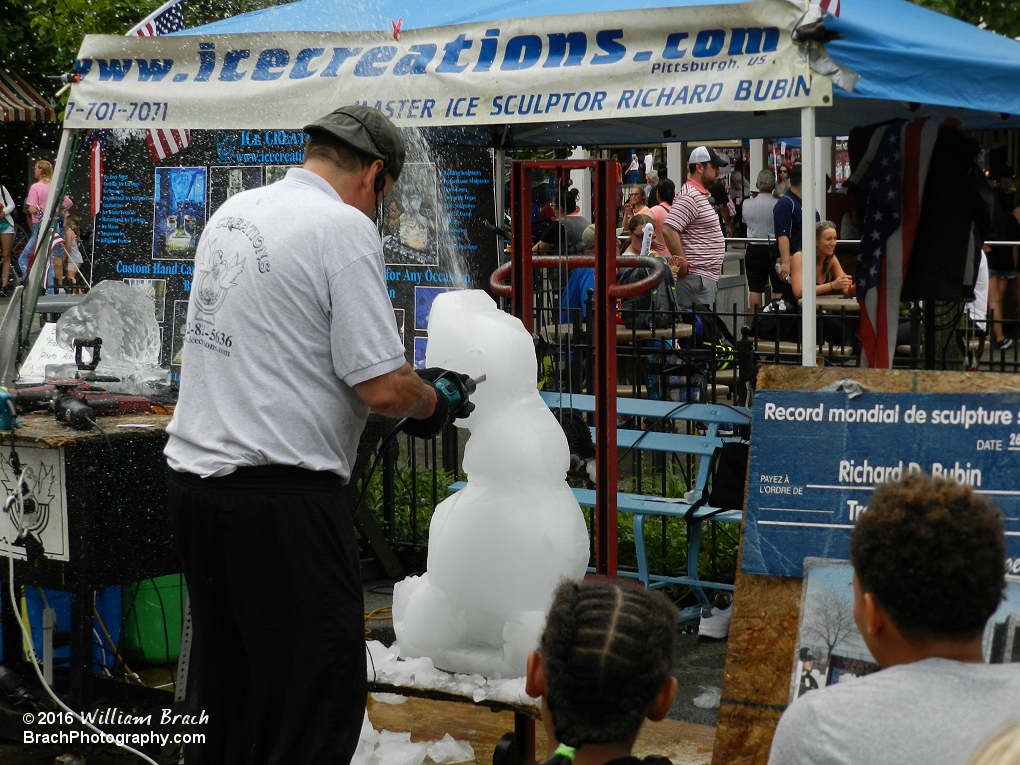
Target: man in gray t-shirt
928, 558
290, 341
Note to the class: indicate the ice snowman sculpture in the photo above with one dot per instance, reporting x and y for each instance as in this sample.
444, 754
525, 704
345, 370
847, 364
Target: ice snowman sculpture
499, 547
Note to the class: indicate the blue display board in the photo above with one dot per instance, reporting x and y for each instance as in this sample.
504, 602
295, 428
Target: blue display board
816, 457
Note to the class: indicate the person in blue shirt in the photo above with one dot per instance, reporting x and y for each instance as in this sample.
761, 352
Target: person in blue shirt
787, 217
581, 280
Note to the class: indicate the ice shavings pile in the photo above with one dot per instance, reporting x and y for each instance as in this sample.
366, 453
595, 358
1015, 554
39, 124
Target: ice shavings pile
385, 666
390, 748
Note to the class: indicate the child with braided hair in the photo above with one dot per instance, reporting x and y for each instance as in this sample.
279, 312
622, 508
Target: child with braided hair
604, 665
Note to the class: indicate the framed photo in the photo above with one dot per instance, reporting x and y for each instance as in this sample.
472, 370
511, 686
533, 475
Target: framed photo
411, 217
179, 203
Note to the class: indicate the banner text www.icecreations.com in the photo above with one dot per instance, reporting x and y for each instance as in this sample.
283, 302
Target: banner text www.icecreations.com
578, 67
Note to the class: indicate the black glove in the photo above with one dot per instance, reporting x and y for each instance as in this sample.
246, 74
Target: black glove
452, 392
431, 425
431, 374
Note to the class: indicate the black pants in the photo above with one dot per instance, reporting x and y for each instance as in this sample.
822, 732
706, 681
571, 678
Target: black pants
278, 653
759, 265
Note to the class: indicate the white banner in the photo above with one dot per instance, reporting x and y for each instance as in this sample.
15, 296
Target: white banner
626, 65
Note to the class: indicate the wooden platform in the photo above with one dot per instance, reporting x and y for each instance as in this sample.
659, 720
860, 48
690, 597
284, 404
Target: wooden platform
427, 720
42, 429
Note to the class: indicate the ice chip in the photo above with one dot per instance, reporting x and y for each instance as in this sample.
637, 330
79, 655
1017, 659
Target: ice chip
369, 735
708, 698
389, 698
450, 750
379, 653
387, 737
397, 749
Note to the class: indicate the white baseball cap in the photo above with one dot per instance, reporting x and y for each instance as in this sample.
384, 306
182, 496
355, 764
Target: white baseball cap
705, 155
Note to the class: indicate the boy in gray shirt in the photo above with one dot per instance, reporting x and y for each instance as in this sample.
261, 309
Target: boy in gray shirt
928, 560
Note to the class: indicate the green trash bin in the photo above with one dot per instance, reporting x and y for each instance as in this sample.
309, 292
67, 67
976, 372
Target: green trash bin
153, 612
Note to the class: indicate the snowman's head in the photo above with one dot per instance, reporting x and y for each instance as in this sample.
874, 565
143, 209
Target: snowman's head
469, 334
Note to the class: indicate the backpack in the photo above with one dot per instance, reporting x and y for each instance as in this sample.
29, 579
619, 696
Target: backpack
711, 334
655, 308
728, 478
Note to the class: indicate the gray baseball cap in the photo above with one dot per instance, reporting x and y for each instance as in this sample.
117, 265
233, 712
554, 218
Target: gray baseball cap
766, 180
367, 130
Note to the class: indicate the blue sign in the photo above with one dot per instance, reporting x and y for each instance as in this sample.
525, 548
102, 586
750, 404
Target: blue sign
817, 456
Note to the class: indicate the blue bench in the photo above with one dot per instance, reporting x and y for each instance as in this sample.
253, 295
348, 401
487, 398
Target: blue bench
643, 505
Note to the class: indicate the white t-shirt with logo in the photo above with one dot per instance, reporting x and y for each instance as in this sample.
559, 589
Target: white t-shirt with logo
288, 311
930, 712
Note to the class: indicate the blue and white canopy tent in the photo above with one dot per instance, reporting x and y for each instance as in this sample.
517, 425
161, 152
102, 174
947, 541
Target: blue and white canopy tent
621, 72
911, 61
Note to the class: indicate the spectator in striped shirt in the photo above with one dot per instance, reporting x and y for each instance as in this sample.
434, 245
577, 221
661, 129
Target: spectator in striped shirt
691, 230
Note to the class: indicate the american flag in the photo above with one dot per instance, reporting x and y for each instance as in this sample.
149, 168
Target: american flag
166, 19
892, 173
830, 6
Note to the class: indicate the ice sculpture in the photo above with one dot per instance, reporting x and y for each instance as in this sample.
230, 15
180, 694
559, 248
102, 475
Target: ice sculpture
499, 547
126, 321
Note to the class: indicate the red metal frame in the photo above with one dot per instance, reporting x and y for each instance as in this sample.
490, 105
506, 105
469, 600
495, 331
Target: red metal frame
521, 293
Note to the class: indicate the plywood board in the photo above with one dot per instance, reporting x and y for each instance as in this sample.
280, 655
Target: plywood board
766, 609
429, 720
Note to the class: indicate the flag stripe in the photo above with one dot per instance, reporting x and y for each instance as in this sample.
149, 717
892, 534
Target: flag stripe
96, 168
829, 6
165, 143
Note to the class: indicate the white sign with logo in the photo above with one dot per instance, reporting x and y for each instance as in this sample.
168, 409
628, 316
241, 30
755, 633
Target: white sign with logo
44, 353
627, 64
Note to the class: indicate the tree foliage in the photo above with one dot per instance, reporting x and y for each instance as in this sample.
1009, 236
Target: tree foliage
1002, 16
42, 37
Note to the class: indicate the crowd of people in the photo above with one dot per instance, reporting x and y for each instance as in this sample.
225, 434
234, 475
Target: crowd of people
691, 224
65, 256
693, 220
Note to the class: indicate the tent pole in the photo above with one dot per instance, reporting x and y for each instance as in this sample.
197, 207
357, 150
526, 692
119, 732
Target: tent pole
581, 180
675, 163
809, 158
37, 271
757, 147
824, 168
